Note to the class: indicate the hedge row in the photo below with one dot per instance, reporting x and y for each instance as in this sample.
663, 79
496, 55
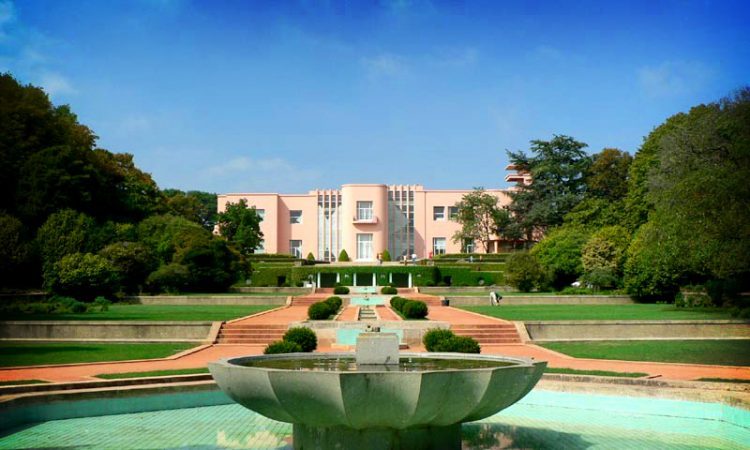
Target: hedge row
487, 257
411, 309
421, 276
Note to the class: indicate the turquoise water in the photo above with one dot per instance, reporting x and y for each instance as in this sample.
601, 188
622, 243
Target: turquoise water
348, 336
542, 420
368, 301
363, 290
350, 364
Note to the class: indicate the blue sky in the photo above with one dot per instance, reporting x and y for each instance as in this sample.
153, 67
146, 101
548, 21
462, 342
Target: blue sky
243, 96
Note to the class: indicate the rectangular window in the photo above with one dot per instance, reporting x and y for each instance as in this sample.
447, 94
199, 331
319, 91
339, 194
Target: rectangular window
261, 247
453, 212
438, 246
295, 248
261, 213
364, 210
295, 216
364, 246
438, 213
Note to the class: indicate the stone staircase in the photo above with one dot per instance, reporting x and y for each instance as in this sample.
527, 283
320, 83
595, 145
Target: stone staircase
307, 300
256, 334
366, 313
500, 333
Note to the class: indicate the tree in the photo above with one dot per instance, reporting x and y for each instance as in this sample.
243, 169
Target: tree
560, 254
132, 261
83, 276
607, 177
240, 225
524, 272
557, 170
211, 265
13, 250
480, 218
63, 233
197, 206
343, 256
164, 234
603, 256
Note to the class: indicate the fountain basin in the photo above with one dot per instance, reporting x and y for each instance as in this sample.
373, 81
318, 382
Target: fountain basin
381, 406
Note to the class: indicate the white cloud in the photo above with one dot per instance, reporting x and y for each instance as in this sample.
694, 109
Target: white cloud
7, 15
386, 65
55, 84
463, 57
673, 78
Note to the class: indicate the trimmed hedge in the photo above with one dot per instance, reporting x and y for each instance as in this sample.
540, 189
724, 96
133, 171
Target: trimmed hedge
458, 344
334, 302
302, 336
282, 347
397, 303
389, 290
432, 337
415, 309
319, 311
421, 275
269, 276
341, 290
464, 276
485, 257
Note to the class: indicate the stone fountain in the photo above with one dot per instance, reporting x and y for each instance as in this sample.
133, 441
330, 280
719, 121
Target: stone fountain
379, 399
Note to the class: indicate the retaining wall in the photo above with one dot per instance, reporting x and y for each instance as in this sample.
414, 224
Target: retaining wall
106, 331
277, 300
286, 290
636, 329
458, 300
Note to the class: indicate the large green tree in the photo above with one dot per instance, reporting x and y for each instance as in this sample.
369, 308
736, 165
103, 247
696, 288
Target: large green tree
200, 207
240, 225
480, 217
557, 169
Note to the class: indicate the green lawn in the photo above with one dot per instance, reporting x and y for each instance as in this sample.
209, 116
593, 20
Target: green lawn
153, 373
155, 313
724, 380
728, 352
14, 353
239, 294
599, 312
599, 373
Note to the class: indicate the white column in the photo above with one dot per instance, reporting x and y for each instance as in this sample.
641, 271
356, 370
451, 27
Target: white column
409, 279
390, 277
374, 279
338, 277
354, 279
318, 279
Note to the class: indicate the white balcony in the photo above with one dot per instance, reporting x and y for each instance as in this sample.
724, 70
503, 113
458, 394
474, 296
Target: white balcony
362, 221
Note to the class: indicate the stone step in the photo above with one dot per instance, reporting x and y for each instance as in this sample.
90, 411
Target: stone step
246, 341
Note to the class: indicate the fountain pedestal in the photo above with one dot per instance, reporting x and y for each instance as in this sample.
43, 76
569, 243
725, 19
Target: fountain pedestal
417, 438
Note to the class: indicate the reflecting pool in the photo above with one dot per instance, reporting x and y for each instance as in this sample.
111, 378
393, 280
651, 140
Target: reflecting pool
542, 420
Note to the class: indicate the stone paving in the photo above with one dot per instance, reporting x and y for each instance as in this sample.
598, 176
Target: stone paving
200, 356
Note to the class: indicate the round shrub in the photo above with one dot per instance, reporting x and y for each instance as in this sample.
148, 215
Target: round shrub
434, 336
302, 336
389, 290
319, 311
415, 309
171, 278
334, 302
341, 290
386, 256
397, 303
67, 305
282, 347
458, 344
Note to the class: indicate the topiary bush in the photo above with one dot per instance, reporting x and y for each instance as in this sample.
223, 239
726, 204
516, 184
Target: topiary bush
414, 309
319, 311
282, 347
334, 302
389, 290
341, 290
386, 255
434, 336
397, 303
310, 257
302, 336
458, 344
343, 256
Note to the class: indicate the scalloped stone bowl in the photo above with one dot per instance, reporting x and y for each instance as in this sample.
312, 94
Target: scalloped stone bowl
374, 406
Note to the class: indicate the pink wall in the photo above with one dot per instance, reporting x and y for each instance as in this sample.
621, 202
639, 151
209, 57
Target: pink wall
278, 231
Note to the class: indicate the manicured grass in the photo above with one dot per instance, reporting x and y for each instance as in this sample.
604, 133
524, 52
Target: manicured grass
599, 312
239, 294
599, 373
153, 373
20, 382
451, 293
725, 352
725, 380
14, 353
155, 313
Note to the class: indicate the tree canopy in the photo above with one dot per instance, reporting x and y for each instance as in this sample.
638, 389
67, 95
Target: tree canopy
480, 217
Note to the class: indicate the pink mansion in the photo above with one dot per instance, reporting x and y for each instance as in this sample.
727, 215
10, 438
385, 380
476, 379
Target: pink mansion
364, 219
